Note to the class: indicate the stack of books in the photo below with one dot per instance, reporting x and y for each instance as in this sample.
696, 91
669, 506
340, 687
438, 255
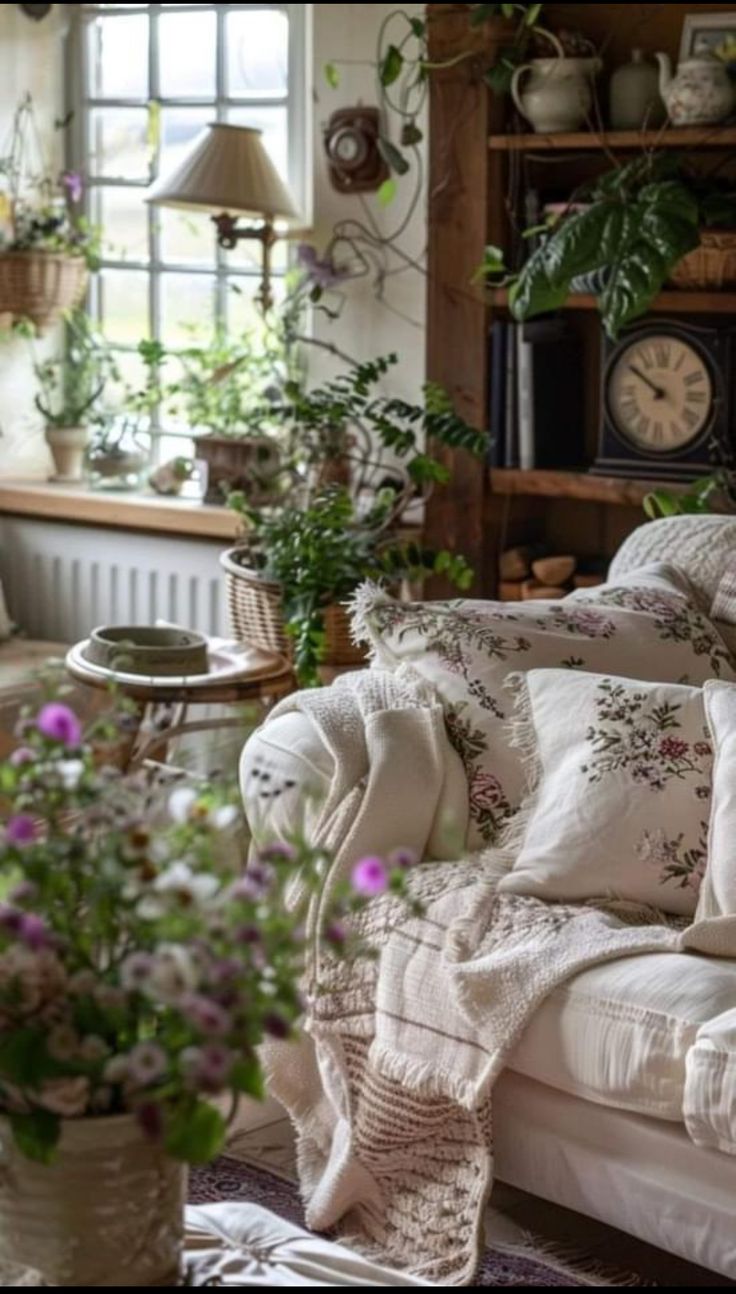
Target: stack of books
536, 395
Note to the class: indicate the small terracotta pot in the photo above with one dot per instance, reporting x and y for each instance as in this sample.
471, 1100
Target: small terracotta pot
67, 445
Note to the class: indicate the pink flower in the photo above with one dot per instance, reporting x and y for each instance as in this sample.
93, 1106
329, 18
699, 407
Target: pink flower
146, 1064
208, 1017
67, 1097
23, 755
135, 971
369, 877
336, 934
21, 830
278, 853
254, 884
673, 748
486, 792
703, 748
59, 723
34, 932
207, 1067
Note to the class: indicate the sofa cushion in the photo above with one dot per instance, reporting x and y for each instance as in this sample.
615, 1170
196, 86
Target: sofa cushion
628, 1034
466, 650
701, 546
710, 1085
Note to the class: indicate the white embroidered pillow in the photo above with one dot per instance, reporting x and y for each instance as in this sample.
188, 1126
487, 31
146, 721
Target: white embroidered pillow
718, 893
619, 776
466, 650
647, 588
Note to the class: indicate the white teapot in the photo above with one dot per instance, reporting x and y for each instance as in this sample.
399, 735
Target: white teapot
558, 96
701, 94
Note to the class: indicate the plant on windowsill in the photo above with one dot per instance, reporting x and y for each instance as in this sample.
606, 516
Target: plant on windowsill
228, 393
358, 461
142, 964
71, 390
47, 246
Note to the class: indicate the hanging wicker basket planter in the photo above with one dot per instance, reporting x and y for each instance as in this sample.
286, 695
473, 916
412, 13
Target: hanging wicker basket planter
711, 266
40, 285
256, 615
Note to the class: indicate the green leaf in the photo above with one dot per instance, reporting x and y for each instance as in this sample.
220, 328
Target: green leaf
660, 503
499, 77
411, 134
196, 1133
391, 66
482, 13
532, 14
493, 263
23, 1058
393, 156
332, 75
418, 27
387, 192
36, 1134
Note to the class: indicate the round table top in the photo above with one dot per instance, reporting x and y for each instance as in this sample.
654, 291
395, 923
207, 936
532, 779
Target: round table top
237, 673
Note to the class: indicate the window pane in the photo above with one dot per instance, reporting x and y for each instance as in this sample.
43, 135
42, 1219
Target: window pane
242, 309
187, 238
118, 57
123, 217
187, 304
123, 297
272, 122
118, 144
187, 43
257, 45
179, 129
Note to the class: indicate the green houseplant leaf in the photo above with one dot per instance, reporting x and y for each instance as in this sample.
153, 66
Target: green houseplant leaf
391, 67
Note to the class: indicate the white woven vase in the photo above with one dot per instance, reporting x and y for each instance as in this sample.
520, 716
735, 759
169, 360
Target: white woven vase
108, 1211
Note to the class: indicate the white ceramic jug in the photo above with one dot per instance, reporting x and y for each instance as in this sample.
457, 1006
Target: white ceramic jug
558, 96
701, 94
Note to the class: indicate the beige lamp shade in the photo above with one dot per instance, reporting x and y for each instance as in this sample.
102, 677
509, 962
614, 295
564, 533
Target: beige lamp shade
227, 171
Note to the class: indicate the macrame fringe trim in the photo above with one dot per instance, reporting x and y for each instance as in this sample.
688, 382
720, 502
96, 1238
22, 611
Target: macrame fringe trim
522, 737
566, 1260
422, 1077
360, 608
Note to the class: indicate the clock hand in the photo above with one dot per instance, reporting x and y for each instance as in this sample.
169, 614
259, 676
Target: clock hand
659, 393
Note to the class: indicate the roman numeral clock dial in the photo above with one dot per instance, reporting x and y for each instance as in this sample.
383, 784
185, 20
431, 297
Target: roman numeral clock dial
659, 394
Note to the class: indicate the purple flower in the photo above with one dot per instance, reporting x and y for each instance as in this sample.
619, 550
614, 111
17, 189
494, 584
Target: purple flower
146, 1063
21, 830
23, 755
402, 859
34, 932
135, 971
207, 1067
369, 877
276, 1026
336, 934
321, 272
208, 1017
254, 884
248, 935
150, 1121
278, 853
72, 182
10, 920
59, 723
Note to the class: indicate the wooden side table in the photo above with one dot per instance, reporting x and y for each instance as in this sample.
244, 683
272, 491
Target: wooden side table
237, 675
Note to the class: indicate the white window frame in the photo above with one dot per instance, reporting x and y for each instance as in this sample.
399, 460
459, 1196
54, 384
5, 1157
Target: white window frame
81, 103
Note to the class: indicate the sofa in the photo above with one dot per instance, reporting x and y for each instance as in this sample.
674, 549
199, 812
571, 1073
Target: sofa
619, 1100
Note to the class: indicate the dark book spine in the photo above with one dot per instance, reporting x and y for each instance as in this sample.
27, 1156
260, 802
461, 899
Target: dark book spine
497, 401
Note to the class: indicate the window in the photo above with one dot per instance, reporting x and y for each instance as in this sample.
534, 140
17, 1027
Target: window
147, 78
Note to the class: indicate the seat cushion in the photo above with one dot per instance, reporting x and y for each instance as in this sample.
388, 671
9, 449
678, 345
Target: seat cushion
710, 1086
621, 1034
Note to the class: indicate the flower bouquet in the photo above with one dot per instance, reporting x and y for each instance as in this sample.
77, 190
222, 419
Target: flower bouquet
142, 962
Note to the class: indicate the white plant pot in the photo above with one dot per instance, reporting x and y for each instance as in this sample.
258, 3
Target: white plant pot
67, 445
108, 1211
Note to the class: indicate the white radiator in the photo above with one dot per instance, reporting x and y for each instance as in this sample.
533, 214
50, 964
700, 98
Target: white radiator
61, 581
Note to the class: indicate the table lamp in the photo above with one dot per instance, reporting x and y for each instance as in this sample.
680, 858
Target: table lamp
229, 173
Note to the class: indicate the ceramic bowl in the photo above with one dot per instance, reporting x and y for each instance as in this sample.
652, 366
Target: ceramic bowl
141, 649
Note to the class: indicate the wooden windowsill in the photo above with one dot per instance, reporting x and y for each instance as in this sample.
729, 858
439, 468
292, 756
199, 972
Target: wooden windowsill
185, 518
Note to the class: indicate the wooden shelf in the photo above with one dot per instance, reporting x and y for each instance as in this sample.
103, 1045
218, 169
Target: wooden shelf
593, 141
673, 302
576, 485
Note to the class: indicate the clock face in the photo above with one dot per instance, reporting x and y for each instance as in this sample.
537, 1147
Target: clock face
660, 393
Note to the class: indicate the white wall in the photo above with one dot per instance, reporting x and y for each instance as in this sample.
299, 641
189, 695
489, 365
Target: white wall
31, 59
367, 326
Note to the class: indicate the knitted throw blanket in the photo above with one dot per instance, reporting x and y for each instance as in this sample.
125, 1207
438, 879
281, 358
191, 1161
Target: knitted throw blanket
391, 1093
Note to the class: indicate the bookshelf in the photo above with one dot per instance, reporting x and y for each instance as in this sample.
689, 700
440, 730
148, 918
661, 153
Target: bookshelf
481, 157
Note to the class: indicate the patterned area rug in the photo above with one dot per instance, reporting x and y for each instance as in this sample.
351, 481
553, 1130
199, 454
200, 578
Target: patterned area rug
231, 1179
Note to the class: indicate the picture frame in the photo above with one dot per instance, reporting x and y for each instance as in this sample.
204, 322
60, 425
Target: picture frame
710, 33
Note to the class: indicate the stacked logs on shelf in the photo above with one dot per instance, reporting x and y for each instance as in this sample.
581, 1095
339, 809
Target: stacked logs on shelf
529, 573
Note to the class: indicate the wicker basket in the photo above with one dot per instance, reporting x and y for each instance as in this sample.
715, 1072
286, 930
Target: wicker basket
40, 285
256, 616
711, 265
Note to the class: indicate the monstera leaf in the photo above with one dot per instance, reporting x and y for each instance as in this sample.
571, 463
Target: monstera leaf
637, 238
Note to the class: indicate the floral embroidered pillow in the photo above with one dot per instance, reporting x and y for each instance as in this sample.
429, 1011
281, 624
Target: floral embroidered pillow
466, 650
619, 786
718, 893
650, 588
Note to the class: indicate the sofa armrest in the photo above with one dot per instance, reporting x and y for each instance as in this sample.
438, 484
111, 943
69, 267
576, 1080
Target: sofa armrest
709, 1105
285, 775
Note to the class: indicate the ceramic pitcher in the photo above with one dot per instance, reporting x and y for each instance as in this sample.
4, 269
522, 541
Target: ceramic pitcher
558, 96
700, 94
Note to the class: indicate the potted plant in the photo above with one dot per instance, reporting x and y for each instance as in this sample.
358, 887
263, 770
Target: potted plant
49, 246
623, 238
228, 392
141, 965
301, 559
119, 454
71, 387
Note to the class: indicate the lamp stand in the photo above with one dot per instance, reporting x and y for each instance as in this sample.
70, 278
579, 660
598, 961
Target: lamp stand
229, 235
